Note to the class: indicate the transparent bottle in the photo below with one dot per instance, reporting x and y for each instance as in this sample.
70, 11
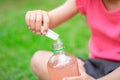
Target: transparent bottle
61, 64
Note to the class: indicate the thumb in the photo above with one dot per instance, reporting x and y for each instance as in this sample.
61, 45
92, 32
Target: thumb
80, 66
72, 78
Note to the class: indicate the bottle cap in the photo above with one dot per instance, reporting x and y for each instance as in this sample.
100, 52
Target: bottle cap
51, 34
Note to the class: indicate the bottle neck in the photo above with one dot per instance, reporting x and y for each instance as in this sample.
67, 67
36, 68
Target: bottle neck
60, 50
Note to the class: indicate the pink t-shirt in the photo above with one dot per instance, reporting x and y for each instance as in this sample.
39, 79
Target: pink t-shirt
105, 29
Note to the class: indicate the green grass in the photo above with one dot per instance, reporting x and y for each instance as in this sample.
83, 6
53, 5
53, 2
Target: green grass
18, 44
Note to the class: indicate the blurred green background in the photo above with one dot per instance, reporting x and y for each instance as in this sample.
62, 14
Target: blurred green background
18, 44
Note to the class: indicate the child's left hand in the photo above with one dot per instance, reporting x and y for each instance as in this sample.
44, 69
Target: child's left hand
83, 76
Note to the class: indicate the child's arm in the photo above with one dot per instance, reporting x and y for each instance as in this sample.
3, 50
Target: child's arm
63, 13
34, 19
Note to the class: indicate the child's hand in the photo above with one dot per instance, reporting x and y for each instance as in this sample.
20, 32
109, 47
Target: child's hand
37, 18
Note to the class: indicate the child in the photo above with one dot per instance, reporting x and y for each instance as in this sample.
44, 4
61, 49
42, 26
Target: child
103, 17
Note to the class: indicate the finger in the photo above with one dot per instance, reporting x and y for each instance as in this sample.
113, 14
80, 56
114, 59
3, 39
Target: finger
27, 19
81, 65
46, 22
72, 78
38, 21
32, 20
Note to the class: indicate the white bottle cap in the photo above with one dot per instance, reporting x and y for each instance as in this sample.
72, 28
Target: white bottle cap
51, 34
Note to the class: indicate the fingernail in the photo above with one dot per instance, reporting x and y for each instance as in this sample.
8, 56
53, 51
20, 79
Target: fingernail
33, 31
37, 32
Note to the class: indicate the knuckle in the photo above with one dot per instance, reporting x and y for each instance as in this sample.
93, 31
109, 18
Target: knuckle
38, 19
32, 19
47, 21
38, 12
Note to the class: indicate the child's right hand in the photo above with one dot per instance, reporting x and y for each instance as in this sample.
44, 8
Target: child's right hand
37, 18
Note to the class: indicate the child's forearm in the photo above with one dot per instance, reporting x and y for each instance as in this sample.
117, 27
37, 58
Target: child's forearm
115, 75
62, 13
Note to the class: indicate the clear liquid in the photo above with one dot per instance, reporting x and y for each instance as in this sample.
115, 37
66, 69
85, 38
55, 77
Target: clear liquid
58, 73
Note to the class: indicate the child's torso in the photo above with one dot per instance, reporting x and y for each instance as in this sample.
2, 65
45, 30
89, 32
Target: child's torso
105, 29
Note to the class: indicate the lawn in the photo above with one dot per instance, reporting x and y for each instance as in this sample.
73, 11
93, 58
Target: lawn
18, 44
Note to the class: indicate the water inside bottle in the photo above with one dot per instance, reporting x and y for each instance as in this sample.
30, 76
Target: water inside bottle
62, 65
58, 73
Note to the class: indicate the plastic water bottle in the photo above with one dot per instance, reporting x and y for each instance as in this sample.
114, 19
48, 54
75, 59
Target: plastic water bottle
61, 64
